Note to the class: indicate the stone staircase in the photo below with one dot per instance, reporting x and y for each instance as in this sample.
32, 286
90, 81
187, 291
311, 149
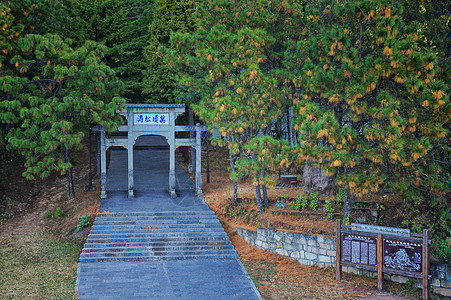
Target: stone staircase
142, 236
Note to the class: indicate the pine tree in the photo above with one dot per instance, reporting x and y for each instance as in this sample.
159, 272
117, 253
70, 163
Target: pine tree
229, 69
169, 16
122, 27
434, 20
133, 71
18, 18
51, 95
426, 191
371, 102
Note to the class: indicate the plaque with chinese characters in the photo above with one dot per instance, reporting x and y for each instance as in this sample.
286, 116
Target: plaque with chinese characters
359, 249
151, 119
403, 256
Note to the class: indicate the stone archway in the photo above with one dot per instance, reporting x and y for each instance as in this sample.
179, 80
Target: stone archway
152, 119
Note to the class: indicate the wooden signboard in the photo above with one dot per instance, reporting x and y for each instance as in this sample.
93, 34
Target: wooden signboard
402, 256
359, 249
381, 251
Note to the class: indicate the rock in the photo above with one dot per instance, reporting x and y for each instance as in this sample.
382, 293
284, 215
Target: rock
316, 180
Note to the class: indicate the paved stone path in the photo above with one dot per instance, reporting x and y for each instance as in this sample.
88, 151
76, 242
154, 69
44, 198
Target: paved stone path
155, 247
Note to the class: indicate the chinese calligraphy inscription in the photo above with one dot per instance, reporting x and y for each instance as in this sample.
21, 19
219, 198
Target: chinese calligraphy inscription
151, 119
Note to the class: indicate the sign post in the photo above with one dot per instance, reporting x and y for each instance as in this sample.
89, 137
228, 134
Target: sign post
338, 268
425, 266
380, 263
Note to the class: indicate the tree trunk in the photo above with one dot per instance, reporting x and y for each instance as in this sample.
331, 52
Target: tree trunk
289, 126
265, 192
349, 203
265, 196
235, 186
70, 178
258, 196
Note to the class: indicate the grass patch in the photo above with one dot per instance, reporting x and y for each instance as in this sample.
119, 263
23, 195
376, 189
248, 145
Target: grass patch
261, 272
38, 266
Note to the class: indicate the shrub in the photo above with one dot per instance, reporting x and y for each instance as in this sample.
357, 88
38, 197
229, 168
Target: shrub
83, 221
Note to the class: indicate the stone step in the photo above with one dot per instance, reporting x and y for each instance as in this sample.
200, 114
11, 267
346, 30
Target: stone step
170, 248
131, 221
174, 243
155, 226
150, 252
161, 231
153, 231
156, 218
139, 236
145, 239
184, 214
154, 258
213, 234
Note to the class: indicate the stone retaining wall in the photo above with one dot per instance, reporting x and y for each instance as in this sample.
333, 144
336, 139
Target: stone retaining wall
320, 250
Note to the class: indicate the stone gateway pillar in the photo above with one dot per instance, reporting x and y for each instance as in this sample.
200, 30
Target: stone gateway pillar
103, 162
130, 142
171, 142
198, 160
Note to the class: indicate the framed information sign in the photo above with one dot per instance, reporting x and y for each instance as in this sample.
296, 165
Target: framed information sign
403, 256
359, 249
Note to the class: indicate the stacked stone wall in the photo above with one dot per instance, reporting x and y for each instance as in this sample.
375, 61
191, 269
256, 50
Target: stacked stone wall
320, 250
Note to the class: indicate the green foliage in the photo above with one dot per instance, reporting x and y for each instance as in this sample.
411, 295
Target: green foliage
329, 208
410, 282
442, 248
173, 16
434, 19
239, 211
231, 69
301, 202
314, 200
258, 155
83, 221
226, 210
433, 214
284, 198
373, 107
122, 27
33, 17
380, 206
52, 94
341, 195
57, 213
